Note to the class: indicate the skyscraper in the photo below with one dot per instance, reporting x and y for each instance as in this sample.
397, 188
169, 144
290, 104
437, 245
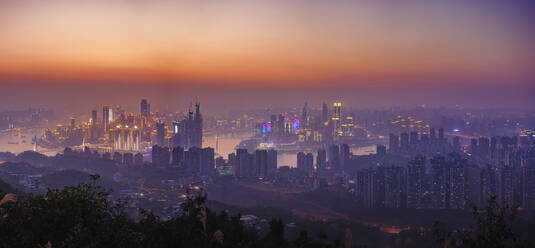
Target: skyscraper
415, 181
324, 113
94, 120
107, 117
145, 108
321, 160
345, 156
304, 117
178, 156
438, 186
161, 132
197, 128
192, 136
309, 164
272, 162
261, 163
364, 189
337, 119
393, 143
381, 151
244, 163
207, 161
395, 185
448, 182
334, 157
193, 158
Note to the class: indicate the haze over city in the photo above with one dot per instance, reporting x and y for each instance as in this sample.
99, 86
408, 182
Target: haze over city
419, 49
267, 123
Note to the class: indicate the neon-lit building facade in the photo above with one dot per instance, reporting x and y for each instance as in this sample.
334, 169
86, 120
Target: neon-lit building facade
125, 138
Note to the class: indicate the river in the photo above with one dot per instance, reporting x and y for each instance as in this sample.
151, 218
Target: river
20, 140
227, 143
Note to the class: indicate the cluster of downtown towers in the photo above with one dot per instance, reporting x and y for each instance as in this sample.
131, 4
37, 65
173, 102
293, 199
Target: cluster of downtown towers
418, 170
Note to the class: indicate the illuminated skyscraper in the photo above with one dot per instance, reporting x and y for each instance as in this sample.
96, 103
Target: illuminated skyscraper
192, 128
161, 132
448, 182
197, 128
364, 190
107, 117
178, 134
337, 119
438, 183
324, 113
125, 138
348, 126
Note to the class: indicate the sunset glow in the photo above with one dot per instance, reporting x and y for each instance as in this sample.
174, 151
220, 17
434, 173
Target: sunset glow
265, 42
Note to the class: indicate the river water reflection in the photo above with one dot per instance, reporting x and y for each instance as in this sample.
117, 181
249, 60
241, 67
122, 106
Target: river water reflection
227, 143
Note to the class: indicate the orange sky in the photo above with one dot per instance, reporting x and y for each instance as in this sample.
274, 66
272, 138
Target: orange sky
255, 42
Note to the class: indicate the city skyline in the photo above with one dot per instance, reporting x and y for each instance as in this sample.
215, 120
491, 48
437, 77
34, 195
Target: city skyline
267, 123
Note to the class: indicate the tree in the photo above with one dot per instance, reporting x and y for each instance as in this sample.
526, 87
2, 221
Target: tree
83, 216
493, 227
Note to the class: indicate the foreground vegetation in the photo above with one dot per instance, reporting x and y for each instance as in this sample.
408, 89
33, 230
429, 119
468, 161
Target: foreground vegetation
83, 216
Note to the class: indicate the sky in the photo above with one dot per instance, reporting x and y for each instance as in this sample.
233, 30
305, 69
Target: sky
365, 46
